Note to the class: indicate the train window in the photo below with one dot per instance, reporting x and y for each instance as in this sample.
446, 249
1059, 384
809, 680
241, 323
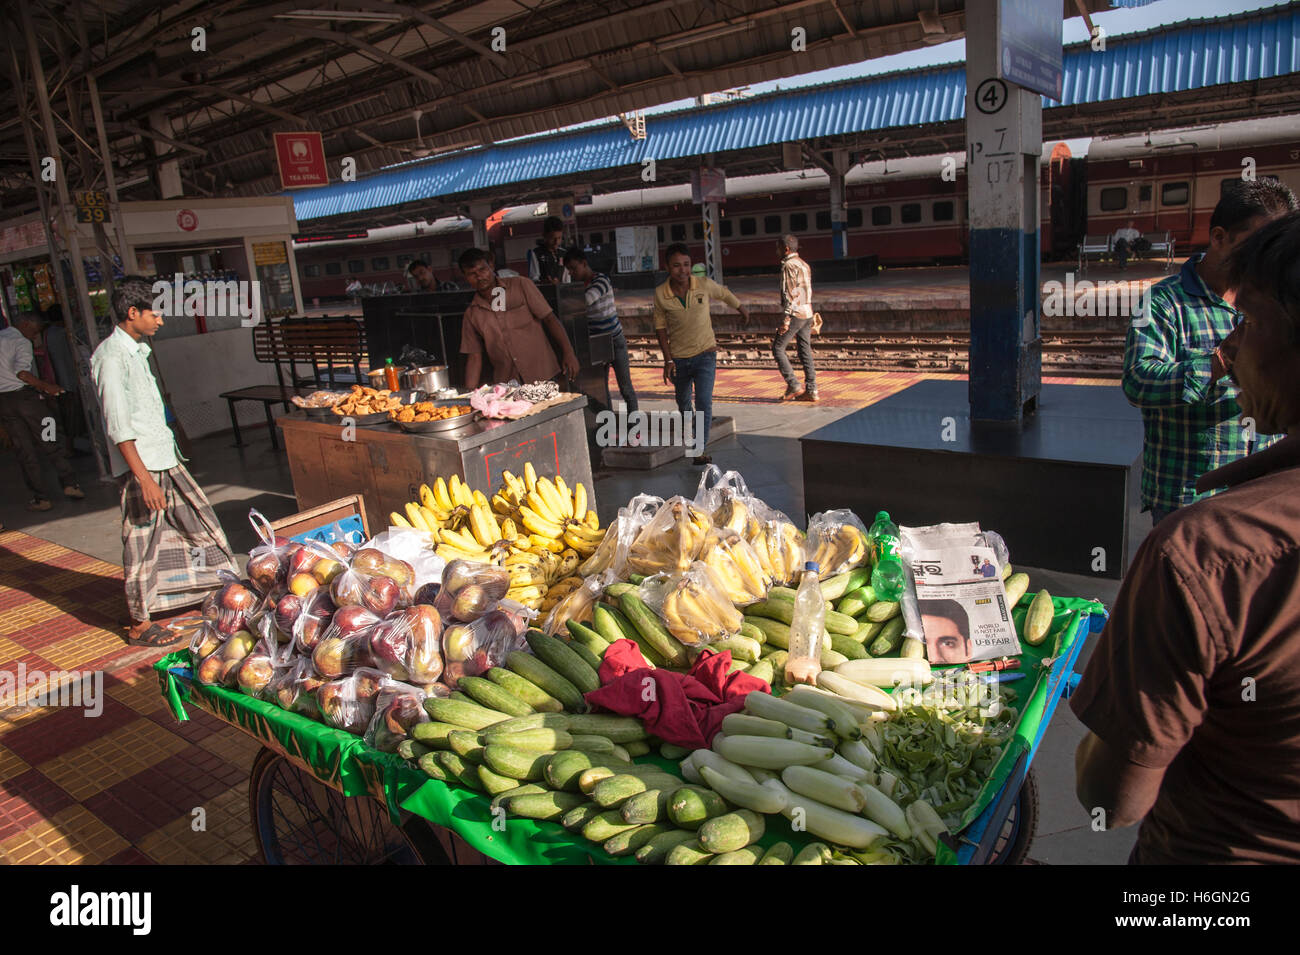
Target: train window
311, 271
1113, 198
942, 211
596, 240
697, 230
661, 235
749, 226
882, 215
855, 218
678, 231
404, 260
725, 228
798, 222
333, 268
356, 265
823, 221
379, 264
1174, 194
771, 225
910, 212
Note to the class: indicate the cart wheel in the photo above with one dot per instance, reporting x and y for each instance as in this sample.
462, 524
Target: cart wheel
298, 820
1012, 847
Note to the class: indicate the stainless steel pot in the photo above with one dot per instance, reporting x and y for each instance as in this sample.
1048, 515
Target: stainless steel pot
429, 379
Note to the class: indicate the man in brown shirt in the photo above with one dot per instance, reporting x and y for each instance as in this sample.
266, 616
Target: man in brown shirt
509, 321
1192, 695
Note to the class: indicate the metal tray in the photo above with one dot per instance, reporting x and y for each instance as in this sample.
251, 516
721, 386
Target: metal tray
446, 424
379, 417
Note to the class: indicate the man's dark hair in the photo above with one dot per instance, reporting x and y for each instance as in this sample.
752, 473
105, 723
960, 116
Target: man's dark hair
952, 610
552, 224
415, 264
1268, 261
134, 291
472, 257
1244, 200
575, 255
677, 248
33, 318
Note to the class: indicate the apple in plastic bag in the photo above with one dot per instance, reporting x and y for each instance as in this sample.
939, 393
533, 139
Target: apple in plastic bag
390, 647
336, 656
369, 560
470, 603
264, 570
457, 574
302, 560
346, 589
303, 584
380, 595
427, 594
325, 570
349, 620
287, 611
255, 673
399, 571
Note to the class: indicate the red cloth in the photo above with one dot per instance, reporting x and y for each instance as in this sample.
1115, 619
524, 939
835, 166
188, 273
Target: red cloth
685, 709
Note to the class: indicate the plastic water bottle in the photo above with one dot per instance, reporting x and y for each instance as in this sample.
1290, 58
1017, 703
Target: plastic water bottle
887, 576
806, 628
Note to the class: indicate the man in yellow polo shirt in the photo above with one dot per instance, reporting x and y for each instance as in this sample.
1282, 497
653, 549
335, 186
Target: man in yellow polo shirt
685, 331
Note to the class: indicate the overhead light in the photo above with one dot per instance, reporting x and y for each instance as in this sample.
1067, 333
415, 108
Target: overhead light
369, 15
712, 33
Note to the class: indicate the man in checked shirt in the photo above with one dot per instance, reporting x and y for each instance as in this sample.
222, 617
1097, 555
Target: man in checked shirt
1179, 353
796, 321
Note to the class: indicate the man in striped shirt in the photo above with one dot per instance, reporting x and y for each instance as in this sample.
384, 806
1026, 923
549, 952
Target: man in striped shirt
796, 321
1178, 357
602, 317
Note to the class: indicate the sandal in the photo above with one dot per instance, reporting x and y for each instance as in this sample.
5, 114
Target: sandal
153, 636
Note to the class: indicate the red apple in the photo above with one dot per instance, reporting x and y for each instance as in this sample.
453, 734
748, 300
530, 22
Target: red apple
344, 549
427, 594
369, 560
303, 560
379, 595
287, 612
399, 570
351, 619
264, 569
235, 596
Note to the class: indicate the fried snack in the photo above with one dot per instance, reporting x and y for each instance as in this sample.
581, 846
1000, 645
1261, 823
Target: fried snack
363, 401
428, 411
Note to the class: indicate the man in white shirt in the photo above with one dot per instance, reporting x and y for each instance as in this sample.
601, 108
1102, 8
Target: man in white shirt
27, 418
1128, 239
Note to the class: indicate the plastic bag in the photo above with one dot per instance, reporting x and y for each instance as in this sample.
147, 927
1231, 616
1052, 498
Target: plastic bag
345, 644
295, 688
349, 703
258, 671
268, 562
229, 607
308, 618
375, 581
407, 645
471, 649
220, 667
693, 605
612, 553
398, 707
716, 485
837, 540
735, 563
205, 642
414, 548
671, 540
470, 590
577, 604
780, 549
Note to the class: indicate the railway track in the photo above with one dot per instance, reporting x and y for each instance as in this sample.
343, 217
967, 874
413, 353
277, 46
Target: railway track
1082, 354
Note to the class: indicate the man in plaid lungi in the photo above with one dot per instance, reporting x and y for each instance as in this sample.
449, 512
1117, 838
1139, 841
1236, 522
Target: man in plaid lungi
172, 543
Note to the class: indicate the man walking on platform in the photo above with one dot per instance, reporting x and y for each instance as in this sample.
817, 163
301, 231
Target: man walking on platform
685, 330
1176, 362
546, 259
796, 321
27, 417
602, 318
173, 546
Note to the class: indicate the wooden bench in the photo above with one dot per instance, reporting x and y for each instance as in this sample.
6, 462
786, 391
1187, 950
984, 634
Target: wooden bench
1099, 246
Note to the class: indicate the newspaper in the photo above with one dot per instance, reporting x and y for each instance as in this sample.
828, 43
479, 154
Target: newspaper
956, 573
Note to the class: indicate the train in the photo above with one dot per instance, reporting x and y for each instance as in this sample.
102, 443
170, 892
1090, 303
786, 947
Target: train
910, 211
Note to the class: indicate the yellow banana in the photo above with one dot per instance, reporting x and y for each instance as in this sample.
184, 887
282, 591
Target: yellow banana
540, 525
569, 561
478, 527
580, 542
565, 496
441, 495
538, 504
449, 552
545, 542
525, 575
464, 495
427, 498
415, 516
592, 521
579, 502
565, 586
502, 504
479, 497
461, 540
509, 530
530, 477
430, 518
397, 520
526, 558
554, 500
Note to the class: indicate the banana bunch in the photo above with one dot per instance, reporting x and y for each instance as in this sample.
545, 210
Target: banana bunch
558, 591
734, 515
604, 554
549, 509
736, 566
780, 549
669, 546
695, 615
839, 550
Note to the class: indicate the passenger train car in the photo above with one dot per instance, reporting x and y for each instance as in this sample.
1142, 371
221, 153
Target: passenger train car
906, 212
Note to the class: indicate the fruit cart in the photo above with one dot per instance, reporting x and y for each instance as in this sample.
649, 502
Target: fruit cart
320, 795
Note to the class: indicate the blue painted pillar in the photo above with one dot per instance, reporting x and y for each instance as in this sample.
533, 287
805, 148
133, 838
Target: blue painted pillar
1004, 141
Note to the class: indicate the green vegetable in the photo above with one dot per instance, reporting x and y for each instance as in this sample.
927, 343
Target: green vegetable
731, 831
543, 805
689, 853
493, 696
655, 852
780, 853
690, 807
526, 690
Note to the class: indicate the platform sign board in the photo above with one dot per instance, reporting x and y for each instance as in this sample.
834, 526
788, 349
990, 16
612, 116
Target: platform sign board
1029, 45
301, 159
708, 185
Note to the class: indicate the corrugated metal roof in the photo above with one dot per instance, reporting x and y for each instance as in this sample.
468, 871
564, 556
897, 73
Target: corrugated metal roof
1172, 58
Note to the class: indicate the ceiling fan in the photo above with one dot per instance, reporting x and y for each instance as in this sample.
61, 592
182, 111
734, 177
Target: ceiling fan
418, 151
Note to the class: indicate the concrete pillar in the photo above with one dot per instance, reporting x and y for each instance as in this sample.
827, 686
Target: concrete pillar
478, 214
712, 242
169, 173
839, 203
1004, 132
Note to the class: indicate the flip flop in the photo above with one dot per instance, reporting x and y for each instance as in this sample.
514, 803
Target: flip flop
154, 636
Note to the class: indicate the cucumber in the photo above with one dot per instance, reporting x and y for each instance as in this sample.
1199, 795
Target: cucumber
840, 623
596, 745
614, 623
636, 579
1006, 571
773, 608
466, 745
467, 714
890, 638
746, 856
495, 783
637, 747
655, 852
543, 805
430, 764
777, 633
563, 769
492, 696
590, 778
883, 610
833, 588
763, 670
535, 671
434, 734
542, 740
523, 764
526, 690
606, 625
611, 793
691, 806
648, 806
742, 648
832, 658
855, 602
620, 729
731, 831
673, 751
626, 843
754, 633
527, 789
605, 825
689, 853
459, 697
561, 658
410, 749
745, 724
583, 635
1015, 587
536, 721
847, 646
815, 853
465, 773
579, 816
588, 656
1038, 619
619, 588
867, 631
653, 631
778, 854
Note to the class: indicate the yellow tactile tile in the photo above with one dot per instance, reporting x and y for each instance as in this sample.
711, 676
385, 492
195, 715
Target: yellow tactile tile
43, 550
114, 607
71, 836
100, 568
83, 648
140, 693
238, 749
18, 715
28, 614
11, 765
124, 752
226, 839
64, 580
10, 650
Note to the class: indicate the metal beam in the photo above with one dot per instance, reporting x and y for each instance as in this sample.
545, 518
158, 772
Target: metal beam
151, 134
347, 39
